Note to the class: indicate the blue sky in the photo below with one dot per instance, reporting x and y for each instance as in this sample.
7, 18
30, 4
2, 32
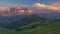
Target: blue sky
27, 2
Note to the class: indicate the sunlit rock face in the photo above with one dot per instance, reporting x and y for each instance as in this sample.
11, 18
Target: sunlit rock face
16, 10
24, 12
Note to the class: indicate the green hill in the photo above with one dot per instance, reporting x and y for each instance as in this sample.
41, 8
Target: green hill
27, 20
52, 27
33, 24
6, 31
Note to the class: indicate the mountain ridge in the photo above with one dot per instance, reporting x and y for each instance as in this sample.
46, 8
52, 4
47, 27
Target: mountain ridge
38, 25
26, 20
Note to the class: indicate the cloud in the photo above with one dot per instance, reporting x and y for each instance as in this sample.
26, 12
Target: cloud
54, 6
4, 7
36, 7
39, 5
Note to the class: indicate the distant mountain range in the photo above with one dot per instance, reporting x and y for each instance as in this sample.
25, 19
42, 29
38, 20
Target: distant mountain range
49, 14
6, 20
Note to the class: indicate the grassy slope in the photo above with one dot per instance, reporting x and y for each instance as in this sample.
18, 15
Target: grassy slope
24, 21
52, 27
6, 31
42, 26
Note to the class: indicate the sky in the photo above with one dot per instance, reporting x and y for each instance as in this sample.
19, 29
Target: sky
39, 6
35, 4
27, 2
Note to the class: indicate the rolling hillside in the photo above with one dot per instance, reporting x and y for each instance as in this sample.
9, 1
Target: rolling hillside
33, 24
27, 20
53, 27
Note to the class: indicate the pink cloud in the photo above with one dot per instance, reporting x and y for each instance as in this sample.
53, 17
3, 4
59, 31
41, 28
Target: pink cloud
37, 6
54, 7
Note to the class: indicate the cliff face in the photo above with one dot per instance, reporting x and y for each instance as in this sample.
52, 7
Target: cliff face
16, 10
